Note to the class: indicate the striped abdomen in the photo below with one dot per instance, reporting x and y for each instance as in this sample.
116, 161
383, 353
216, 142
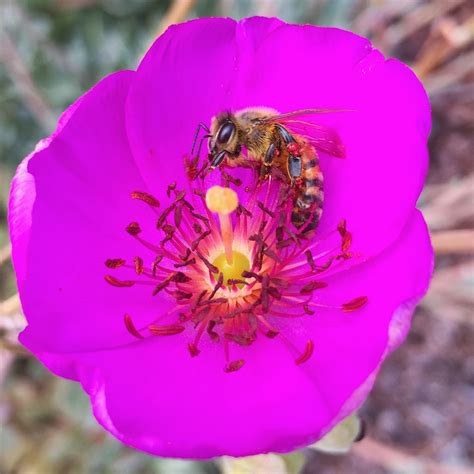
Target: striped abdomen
308, 204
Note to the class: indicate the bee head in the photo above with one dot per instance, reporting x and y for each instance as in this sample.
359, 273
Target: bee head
224, 140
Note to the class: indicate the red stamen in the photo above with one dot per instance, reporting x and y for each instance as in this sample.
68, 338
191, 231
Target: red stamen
217, 286
234, 365
160, 287
155, 264
355, 304
133, 228
178, 216
111, 280
191, 261
138, 265
210, 330
169, 330
145, 197
131, 327
212, 268
310, 259
114, 262
314, 285
196, 242
308, 352
164, 215
193, 350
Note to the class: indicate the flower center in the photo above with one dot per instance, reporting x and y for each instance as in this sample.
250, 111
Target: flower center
235, 270
232, 271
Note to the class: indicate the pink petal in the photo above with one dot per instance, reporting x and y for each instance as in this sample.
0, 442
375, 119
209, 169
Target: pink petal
191, 408
70, 204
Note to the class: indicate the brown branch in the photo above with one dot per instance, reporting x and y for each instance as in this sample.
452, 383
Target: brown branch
24, 84
453, 241
390, 457
177, 12
10, 305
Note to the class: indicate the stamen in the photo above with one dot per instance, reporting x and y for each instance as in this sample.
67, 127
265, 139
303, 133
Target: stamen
308, 352
234, 365
114, 262
355, 304
131, 327
169, 330
138, 261
133, 228
313, 285
118, 283
145, 197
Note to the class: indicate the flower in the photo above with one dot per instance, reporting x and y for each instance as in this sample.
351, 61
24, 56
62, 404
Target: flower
177, 360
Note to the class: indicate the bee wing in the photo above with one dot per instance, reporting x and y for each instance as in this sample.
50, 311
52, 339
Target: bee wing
277, 118
322, 137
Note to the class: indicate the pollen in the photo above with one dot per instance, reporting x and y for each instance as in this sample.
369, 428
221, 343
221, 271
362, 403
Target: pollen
221, 200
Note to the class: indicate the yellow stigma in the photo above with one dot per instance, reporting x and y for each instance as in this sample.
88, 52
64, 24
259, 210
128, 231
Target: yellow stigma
221, 200
240, 263
224, 201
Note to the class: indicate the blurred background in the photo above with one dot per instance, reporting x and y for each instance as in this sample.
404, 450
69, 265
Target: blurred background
420, 416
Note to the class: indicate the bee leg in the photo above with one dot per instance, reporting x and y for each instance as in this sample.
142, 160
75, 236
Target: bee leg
218, 159
267, 161
295, 167
198, 129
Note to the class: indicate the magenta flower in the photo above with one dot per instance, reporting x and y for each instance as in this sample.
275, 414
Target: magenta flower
121, 265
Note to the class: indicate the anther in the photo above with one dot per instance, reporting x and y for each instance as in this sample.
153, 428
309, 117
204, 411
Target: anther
355, 304
310, 259
133, 228
171, 187
155, 264
118, 283
218, 285
265, 209
191, 261
313, 285
164, 215
145, 197
169, 330
193, 350
131, 327
114, 262
178, 216
195, 243
234, 365
308, 352
212, 268
138, 261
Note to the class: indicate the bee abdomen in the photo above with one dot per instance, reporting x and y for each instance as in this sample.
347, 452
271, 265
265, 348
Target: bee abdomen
308, 204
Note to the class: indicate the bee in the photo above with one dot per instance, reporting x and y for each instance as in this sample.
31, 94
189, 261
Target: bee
284, 141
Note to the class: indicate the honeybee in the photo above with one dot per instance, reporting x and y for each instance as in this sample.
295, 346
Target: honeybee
278, 140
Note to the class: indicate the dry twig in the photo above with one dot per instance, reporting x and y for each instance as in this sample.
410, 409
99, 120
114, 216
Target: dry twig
10, 305
26, 87
453, 241
177, 13
390, 458
5, 254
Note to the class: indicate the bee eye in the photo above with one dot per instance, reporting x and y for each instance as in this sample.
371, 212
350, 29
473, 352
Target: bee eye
225, 132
